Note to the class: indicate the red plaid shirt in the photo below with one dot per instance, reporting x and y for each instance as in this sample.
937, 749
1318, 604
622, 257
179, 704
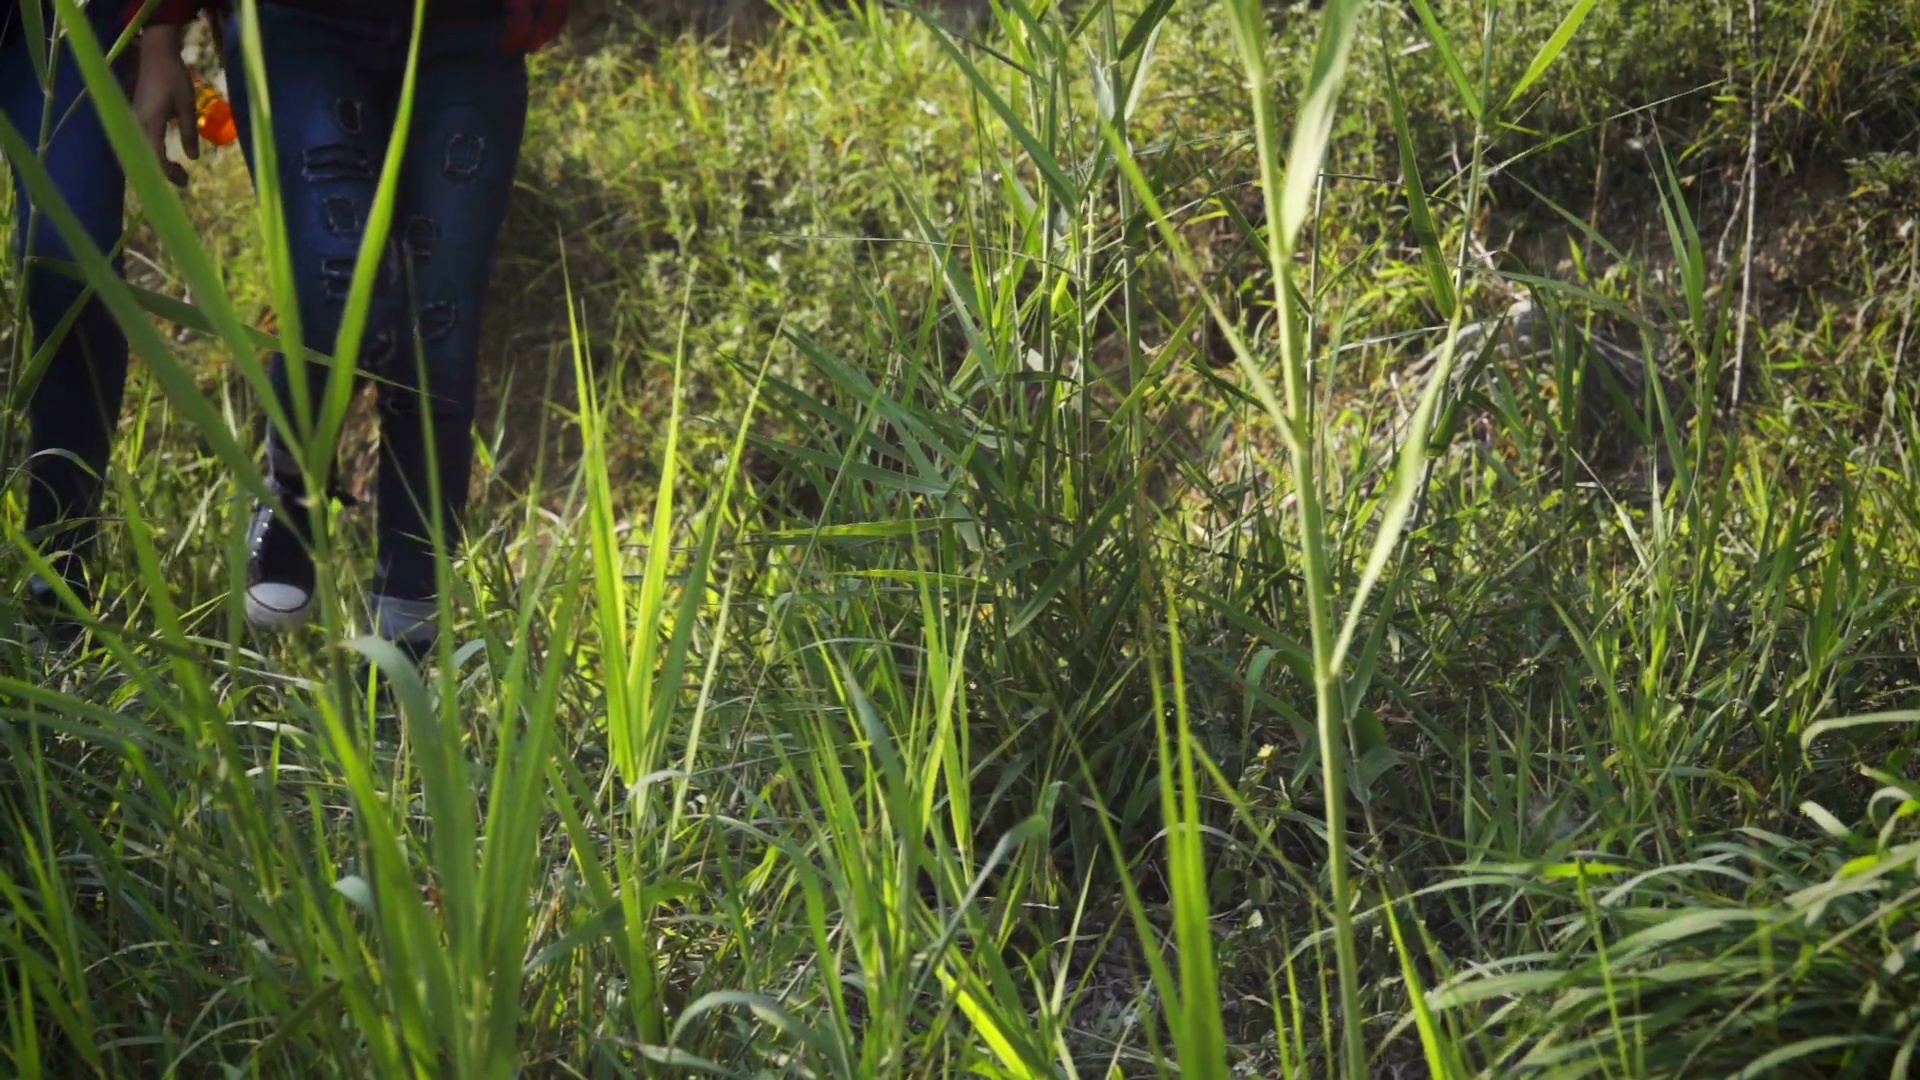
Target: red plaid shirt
530, 23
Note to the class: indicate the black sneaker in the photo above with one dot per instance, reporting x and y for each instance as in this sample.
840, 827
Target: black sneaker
57, 629
280, 574
413, 625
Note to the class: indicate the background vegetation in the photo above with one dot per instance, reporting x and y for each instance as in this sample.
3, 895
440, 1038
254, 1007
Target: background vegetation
926, 482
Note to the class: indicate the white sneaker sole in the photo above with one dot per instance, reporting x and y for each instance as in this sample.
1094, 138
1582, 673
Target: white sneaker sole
277, 607
411, 624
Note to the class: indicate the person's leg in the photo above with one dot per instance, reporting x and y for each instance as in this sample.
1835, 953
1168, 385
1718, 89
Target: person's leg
469, 114
332, 95
75, 407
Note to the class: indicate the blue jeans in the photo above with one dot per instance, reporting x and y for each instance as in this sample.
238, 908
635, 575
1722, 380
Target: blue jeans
335, 85
73, 411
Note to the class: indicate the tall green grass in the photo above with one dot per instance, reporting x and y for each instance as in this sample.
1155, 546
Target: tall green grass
934, 666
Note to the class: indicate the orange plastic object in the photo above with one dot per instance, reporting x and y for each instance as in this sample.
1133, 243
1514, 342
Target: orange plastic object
215, 116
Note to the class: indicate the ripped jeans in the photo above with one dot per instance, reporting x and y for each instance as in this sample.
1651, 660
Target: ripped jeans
334, 84
75, 407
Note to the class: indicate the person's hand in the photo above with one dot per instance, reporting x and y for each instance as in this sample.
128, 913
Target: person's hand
163, 94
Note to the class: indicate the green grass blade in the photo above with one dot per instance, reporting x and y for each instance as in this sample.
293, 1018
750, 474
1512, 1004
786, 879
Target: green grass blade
1064, 191
1199, 1033
1144, 26
1071, 562
1551, 50
1419, 214
1449, 58
1313, 123
1870, 721
1443, 1056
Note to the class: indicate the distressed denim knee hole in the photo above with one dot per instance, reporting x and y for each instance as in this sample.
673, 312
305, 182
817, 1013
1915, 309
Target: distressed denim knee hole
464, 153
334, 162
342, 215
438, 320
421, 232
336, 275
378, 352
347, 116
336, 278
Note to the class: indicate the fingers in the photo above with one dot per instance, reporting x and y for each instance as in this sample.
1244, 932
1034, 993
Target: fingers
153, 124
154, 127
187, 117
163, 93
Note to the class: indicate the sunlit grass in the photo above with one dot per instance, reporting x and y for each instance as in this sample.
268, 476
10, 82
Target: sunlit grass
890, 648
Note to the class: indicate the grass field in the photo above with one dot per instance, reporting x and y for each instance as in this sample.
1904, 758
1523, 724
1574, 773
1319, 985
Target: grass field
1143, 539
